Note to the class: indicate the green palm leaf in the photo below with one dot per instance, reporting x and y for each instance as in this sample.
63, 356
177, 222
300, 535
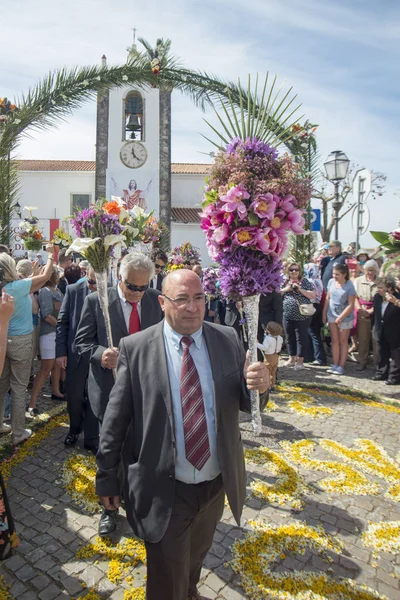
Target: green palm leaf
243, 115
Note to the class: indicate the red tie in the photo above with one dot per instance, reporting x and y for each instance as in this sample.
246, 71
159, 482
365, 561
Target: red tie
134, 321
197, 446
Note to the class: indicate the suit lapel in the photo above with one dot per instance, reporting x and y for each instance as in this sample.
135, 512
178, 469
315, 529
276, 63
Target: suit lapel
116, 313
160, 359
214, 352
146, 312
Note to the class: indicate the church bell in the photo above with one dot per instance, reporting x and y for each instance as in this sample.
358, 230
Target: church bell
133, 125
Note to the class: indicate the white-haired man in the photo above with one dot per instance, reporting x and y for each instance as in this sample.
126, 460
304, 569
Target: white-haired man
133, 307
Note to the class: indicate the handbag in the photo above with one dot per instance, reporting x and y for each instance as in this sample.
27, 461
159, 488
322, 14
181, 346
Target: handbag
306, 310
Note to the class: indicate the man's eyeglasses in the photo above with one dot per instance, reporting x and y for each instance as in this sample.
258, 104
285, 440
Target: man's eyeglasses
185, 301
161, 267
92, 281
136, 288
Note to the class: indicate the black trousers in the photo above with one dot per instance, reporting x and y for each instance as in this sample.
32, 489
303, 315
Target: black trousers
80, 412
174, 563
297, 336
383, 367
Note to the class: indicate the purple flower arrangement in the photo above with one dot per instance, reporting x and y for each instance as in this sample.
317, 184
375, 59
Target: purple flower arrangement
98, 231
253, 200
95, 222
211, 283
181, 256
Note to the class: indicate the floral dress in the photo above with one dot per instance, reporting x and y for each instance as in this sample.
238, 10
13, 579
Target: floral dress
8, 536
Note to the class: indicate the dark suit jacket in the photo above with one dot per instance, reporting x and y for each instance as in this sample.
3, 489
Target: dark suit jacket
142, 404
270, 309
160, 278
67, 323
91, 339
388, 327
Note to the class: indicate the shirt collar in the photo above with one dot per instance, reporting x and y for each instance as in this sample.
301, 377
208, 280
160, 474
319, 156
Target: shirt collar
175, 338
122, 297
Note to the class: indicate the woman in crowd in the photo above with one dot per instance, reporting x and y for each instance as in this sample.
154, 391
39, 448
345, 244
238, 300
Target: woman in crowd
297, 291
73, 273
366, 288
25, 269
386, 331
8, 537
17, 366
339, 313
316, 348
50, 300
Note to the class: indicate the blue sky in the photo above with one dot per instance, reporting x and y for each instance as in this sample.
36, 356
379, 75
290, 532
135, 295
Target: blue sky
342, 59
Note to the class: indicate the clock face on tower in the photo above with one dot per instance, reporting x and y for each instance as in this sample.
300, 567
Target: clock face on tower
133, 154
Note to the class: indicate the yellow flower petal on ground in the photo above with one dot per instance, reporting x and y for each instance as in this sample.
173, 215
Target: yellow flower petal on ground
347, 481
79, 474
289, 486
303, 404
254, 554
383, 536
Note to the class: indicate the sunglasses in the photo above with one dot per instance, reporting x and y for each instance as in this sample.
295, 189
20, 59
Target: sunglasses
293, 270
92, 281
157, 266
136, 288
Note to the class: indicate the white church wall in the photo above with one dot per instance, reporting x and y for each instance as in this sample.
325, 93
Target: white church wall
187, 190
183, 232
51, 191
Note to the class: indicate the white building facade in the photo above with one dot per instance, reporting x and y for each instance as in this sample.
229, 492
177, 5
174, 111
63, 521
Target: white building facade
55, 187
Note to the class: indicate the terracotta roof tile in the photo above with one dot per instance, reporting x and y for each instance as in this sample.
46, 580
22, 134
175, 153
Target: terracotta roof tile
90, 165
56, 165
186, 215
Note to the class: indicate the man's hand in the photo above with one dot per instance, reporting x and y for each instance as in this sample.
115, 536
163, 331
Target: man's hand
62, 362
6, 307
256, 375
110, 502
109, 358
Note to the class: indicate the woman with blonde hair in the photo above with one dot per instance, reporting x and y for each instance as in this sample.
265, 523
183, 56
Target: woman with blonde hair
17, 365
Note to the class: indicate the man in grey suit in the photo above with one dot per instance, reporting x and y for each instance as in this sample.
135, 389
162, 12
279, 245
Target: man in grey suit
133, 307
77, 367
174, 414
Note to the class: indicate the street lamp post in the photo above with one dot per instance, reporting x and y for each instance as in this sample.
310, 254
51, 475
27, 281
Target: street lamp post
336, 168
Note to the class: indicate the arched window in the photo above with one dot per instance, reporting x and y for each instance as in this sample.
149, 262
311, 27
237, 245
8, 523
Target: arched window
133, 121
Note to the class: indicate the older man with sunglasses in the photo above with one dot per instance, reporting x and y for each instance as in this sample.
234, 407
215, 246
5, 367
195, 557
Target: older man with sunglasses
133, 307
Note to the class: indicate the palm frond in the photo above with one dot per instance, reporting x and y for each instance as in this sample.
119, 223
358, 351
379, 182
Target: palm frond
9, 194
245, 117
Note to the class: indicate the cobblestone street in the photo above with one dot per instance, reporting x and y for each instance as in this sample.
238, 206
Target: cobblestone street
53, 527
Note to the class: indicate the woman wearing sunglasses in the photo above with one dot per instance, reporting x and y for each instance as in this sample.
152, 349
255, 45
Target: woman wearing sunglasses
296, 292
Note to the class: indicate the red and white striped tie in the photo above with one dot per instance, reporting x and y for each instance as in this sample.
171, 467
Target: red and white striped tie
197, 445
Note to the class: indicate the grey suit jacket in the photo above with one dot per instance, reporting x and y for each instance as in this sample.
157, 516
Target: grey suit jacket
67, 324
139, 422
91, 339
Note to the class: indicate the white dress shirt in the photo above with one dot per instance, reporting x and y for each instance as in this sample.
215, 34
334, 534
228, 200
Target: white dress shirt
271, 344
127, 308
184, 470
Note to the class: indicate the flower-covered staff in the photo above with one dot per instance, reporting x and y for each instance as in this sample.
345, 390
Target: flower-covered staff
30, 232
61, 238
182, 257
253, 200
98, 232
